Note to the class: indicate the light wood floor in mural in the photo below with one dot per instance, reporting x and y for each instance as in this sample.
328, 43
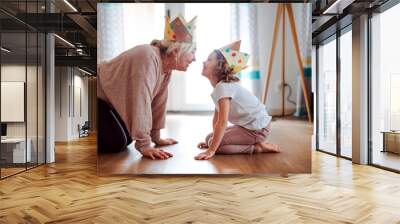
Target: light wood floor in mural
293, 137
70, 191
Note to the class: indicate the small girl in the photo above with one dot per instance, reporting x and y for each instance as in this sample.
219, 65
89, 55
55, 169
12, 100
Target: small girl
235, 104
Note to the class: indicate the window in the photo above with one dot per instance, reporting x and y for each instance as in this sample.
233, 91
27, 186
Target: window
346, 94
385, 89
327, 97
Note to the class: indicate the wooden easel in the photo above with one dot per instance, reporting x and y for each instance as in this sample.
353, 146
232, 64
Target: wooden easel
280, 12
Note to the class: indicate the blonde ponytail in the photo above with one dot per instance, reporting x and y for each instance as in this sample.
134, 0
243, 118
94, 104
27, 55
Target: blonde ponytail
223, 71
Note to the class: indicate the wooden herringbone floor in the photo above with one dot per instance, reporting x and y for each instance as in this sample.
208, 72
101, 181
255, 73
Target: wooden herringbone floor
70, 191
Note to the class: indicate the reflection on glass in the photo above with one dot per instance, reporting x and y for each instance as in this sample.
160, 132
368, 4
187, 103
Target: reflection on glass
13, 85
22, 91
346, 94
385, 84
327, 97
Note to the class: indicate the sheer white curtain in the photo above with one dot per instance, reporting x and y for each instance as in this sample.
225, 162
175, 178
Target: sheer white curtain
244, 27
110, 31
143, 22
123, 26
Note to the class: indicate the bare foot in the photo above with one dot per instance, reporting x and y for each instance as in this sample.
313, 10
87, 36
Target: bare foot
202, 145
266, 147
165, 142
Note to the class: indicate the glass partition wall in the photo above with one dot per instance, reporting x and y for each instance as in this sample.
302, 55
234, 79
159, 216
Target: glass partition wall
22, 88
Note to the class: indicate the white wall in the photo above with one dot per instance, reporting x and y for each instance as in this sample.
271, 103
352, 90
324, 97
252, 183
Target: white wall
17, 73
14, 73
80, 83
67, 115
61, 108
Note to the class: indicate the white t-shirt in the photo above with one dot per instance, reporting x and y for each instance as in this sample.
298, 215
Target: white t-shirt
245, 108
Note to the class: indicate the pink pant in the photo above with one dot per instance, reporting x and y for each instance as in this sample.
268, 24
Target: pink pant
238, 139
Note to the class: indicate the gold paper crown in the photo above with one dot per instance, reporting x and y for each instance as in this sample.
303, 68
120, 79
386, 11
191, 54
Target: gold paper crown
235, 59
179, 30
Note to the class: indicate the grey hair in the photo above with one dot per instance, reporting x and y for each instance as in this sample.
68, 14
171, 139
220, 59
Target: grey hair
166, 47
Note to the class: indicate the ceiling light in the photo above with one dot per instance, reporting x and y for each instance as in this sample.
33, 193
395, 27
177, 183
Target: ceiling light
70, 5
338, 6
65, 41
86, 72
5, 50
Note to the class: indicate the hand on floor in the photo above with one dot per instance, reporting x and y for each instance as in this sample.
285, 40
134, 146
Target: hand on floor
164, 142
205, 155
202, 145
155, 153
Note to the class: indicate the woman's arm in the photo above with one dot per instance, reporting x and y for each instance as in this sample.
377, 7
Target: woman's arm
158, 109
219, 130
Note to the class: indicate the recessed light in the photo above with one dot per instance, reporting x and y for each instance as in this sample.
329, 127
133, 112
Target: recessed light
86, 72
5, 50
64, 40
70, 5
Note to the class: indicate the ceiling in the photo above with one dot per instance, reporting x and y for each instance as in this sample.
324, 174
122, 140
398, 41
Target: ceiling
74, 21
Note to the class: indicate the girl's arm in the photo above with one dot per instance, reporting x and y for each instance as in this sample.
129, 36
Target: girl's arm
219, 130
203, 145
215, 118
